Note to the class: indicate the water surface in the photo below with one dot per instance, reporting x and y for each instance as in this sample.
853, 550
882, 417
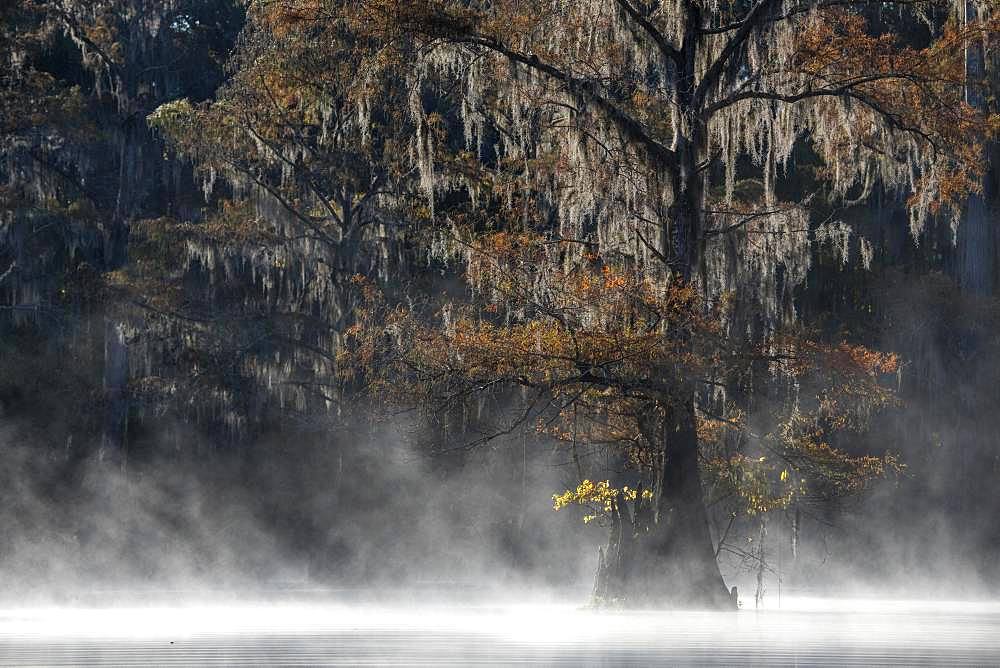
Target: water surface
801, 633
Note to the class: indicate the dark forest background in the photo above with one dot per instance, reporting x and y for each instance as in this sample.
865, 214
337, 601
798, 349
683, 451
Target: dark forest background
164, 415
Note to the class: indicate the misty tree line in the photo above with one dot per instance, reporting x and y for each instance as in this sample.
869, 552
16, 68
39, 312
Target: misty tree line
227, 225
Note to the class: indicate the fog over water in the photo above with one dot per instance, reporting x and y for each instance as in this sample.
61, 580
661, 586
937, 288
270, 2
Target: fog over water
804, 632
177, 565
292, 561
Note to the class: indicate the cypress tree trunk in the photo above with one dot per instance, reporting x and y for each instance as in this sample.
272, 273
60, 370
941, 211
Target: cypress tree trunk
661, 552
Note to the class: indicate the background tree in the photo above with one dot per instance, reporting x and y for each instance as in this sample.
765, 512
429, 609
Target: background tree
300, 160
80, 166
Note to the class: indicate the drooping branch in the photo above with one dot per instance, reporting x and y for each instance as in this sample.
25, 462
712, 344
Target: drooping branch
586, 91
668, 50
754, 18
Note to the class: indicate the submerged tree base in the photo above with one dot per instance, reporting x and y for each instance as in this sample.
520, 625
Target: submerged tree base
661, 560
677, 584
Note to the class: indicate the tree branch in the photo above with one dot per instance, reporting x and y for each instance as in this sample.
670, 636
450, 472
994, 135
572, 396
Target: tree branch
666, 48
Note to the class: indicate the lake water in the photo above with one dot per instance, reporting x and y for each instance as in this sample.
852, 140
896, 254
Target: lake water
804, 632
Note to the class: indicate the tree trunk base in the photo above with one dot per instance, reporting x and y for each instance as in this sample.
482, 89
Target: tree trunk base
639, 571
660, 551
